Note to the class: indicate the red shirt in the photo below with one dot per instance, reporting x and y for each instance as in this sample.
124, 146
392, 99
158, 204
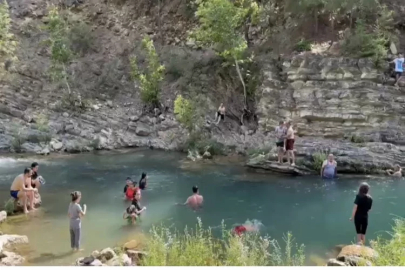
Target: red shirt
239, 230
130, 194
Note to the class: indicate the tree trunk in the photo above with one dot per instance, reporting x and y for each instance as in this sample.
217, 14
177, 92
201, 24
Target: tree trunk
244, 89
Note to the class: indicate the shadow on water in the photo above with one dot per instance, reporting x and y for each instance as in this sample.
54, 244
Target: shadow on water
46, 257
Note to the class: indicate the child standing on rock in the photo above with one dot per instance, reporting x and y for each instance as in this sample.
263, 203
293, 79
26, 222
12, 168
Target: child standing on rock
362, 204
75, 213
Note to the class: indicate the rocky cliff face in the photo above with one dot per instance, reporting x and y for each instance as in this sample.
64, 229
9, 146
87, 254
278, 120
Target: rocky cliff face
337, 104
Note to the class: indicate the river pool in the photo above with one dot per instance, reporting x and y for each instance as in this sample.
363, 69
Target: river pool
315, 211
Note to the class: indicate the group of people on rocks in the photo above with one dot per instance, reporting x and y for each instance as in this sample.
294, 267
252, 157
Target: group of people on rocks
25, 187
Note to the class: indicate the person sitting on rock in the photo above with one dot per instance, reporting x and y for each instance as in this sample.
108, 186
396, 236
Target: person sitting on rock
397, 172
21, 189
36, 180
329, 168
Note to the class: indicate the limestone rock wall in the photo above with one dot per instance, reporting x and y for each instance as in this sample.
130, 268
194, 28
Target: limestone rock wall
336, 98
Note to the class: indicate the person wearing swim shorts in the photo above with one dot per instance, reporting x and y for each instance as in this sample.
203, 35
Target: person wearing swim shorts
21, 189
362, 205
220, 115
195, 201
399, 69
289, 143
280, 136
397, 172
329, 168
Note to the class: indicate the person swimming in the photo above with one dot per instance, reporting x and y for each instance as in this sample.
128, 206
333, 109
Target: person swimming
195, 201
329, 168
397, 172
134, 210
246, 227
131, 191
128, 182
142, 182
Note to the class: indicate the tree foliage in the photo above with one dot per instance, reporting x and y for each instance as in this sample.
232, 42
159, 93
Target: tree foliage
184, 110
8, 43
149, 80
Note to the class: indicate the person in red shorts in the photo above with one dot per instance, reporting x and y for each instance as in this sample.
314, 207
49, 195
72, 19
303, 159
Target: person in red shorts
289, 143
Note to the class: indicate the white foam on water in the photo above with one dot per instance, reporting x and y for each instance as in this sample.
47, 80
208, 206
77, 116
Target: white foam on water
8, 161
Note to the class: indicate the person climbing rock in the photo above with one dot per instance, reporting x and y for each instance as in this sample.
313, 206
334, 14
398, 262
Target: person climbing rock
397, 172
329, 168
362, 205
399, 69
220, 114
289, 143
21, 189
280, 136
75, 213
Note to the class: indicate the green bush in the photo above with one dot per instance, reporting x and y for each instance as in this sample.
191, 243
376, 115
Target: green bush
153, 75
200, 248
201, 142
9, 206
184, 111
19, 138
303, 45
357, 139
42, 123
317, 160
81, 38
391, 252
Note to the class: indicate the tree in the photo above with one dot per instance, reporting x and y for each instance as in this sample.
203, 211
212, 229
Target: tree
184, 110
150, 80
221, 26
8, 43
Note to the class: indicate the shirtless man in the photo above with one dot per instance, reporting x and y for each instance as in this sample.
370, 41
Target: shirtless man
194, 201
21, 189
289, 143
220, 113
397, 172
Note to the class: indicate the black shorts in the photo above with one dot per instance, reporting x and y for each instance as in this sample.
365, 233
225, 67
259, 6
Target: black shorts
361, 224
280, 144
397, 73
221, 115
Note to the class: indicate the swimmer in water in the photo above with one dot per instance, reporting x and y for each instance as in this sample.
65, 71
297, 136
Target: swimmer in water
128, 182
142, 182
195, 201
134, 210
329, 168
241, 229
397, 172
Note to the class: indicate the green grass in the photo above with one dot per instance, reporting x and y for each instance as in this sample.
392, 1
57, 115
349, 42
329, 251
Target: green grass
199, 247
391, 252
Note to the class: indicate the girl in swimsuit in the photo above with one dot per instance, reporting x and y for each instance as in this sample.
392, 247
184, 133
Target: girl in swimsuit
131, 191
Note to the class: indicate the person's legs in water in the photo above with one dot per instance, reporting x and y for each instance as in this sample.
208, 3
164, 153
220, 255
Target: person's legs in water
72, 238
31, 196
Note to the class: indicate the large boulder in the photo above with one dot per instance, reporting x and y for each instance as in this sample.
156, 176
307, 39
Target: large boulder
356, 255
107, 253
334, 262
8, 240
142, 130
10, 259
277, 167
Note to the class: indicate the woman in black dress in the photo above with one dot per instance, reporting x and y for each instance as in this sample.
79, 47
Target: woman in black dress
362, 205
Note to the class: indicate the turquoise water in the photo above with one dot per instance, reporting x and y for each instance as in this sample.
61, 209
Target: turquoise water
315, 211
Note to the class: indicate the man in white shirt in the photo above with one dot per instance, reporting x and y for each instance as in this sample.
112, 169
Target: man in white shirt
399, 69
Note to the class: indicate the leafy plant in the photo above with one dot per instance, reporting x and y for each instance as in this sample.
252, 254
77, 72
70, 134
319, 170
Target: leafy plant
317, 160
81, 37
199, 247
8, 43
184, 111
19, 138
154, 74
303, 45
42, 123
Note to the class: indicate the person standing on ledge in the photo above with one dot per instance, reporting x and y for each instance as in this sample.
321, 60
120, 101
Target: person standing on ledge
289, 143
220, 115
280, 135
194, 201
399, 69
397, 172
75, 213
362, 205
329, 168
21, 189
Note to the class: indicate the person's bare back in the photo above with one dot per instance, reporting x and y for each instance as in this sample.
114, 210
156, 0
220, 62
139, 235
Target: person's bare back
195, 201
